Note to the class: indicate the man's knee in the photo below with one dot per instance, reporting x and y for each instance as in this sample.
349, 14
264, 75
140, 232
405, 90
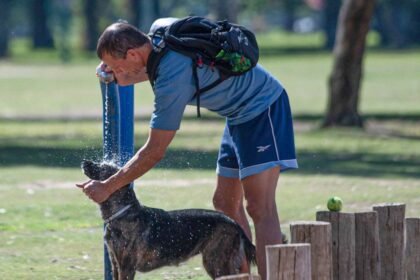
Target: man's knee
225, 205
219, 203
228, 195
259, 210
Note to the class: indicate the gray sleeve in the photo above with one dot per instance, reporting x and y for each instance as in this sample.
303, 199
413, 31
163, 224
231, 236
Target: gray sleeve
173, 89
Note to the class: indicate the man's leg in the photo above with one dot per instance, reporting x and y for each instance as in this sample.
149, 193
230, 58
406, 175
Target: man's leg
228, 198
260, 190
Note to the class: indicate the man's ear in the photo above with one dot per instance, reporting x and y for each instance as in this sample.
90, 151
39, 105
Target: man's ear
134, 55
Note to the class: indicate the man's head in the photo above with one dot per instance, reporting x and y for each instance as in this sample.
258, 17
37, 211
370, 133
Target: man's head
125, 50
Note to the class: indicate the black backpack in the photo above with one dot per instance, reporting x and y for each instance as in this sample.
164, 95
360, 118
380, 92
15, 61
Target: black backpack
230, 48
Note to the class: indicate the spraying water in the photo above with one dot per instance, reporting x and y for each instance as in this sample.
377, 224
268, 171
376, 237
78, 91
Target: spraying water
111, 114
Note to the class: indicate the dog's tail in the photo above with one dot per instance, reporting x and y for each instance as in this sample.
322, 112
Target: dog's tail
249, 249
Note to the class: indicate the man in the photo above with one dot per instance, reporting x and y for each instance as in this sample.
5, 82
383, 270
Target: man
257, 142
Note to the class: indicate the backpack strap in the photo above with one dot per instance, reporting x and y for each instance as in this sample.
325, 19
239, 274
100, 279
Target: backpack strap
153, 63
199, 90
197, 86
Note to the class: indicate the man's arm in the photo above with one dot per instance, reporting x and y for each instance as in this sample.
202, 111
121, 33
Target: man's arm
147, 157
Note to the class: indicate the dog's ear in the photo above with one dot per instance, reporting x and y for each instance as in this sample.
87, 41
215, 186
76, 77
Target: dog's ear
91, 169
107, 169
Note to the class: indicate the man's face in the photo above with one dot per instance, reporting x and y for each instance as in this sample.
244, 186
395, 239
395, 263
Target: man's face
128, 70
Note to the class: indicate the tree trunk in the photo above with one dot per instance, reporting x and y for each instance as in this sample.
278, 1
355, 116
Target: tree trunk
142, 14
290, 7
133, 12
227, 10
91, 12
41, 33
156, 9
390, 17
331, 11
4, 26
344, 82
149, 12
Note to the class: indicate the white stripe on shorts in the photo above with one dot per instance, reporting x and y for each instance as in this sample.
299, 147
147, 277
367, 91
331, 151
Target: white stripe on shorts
272, 132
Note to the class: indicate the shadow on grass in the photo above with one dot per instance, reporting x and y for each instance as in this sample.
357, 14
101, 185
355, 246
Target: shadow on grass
310, 161
209, 117
369, 116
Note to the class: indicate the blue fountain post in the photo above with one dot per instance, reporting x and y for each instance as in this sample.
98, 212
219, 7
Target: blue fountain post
127, 123
118, 130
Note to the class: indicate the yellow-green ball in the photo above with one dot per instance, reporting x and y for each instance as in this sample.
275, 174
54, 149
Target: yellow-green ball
335, 204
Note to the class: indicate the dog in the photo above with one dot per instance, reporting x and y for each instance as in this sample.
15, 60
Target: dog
141, 238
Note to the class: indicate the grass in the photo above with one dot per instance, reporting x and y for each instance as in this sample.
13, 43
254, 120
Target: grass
73, 89
49, 230
52, 231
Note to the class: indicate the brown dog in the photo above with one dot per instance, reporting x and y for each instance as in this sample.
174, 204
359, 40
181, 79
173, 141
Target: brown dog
140, 238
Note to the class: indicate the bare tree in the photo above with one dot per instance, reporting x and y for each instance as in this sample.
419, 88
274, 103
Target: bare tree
91, 12
5, 6
290, 7
134, 8
143, 13
227, 10
41, 31
347, 72
331, 11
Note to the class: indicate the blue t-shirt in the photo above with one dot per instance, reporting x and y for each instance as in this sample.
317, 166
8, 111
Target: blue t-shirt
239, 98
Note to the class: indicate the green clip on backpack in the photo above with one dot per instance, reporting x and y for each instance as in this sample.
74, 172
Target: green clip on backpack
228, 47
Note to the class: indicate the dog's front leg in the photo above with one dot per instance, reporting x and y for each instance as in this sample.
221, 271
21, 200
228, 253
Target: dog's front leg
115, 267
126, 273
115, 270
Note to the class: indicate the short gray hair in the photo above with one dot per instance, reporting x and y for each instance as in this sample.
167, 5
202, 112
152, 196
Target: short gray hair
118, 38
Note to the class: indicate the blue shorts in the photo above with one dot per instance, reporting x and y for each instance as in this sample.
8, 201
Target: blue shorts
262, 143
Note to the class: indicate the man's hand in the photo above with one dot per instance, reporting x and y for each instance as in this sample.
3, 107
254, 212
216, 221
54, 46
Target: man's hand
123, 78
104, 73
96, 190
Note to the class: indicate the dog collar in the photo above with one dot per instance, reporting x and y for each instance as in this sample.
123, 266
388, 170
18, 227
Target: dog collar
118, 214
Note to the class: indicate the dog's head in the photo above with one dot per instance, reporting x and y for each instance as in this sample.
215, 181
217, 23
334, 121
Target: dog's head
99, 170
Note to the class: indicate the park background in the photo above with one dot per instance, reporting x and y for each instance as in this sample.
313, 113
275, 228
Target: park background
50, 119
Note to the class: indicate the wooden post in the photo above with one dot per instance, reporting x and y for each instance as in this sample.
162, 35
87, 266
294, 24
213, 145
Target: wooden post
391, 240
318, 234
288, 261
343, 243
243, 276
412, 248
367, 246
